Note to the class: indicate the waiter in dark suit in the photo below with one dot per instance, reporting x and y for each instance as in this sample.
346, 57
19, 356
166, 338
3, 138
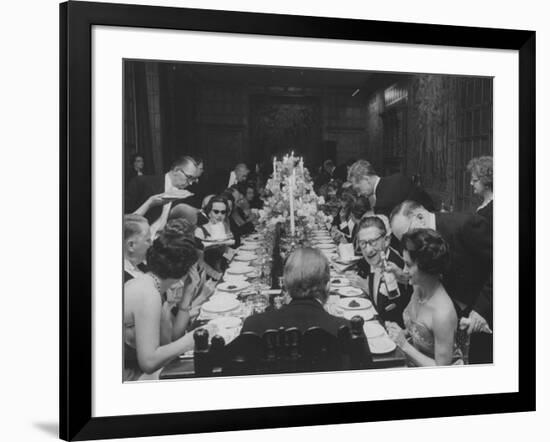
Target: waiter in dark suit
151, 195
306, 278
385, 193
468, 280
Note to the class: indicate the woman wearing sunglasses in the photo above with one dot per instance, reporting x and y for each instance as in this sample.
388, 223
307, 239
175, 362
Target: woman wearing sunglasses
215, 234
381, 262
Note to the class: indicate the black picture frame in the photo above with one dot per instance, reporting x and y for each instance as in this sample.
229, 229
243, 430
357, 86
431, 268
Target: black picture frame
76, 21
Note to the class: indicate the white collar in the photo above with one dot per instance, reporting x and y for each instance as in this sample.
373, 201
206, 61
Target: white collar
168, 182
130, 268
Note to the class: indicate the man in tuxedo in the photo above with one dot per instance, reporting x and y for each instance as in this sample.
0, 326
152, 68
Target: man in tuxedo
468, 279
385, 193
306, 278
158, 197
137, 240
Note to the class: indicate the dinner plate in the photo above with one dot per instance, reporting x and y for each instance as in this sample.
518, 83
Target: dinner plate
366, 314
338, 281
221, 304
232, 286
355, 303
252, 243
248, 248
253, 238
326, 246
234, 278
245, 256
239, 270
373, 329
349, 291
381, 345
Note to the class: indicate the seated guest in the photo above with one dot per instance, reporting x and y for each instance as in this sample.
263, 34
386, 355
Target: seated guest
481, 170
239, 217
430, 317
342, 223
385, 193
254, 202
200, 187
306, 278
468, 278
216, 229
137, 240
147, 195
373, 238
238, 175
147, 346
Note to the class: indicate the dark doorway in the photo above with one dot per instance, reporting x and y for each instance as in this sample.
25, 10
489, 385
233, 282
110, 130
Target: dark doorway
279, 124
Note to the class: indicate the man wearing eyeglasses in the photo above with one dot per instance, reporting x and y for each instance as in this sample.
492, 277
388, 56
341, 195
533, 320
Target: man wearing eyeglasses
160, 197
468, 279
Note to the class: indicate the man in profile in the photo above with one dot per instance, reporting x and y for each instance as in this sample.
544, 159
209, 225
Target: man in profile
137, 240
385, 193
158, 197
306, 278
468, 279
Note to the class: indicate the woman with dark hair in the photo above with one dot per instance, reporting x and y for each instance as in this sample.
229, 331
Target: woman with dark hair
216, 235
380, 262
148, 336
430, 317
254, 202
238, 220
481, 170
342, 223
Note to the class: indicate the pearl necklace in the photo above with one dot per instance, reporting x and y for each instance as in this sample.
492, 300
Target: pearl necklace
156, 281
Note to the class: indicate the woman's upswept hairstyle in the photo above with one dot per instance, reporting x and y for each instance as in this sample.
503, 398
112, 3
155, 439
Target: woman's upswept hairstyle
174, 251
306, 274
428, 249
482, 167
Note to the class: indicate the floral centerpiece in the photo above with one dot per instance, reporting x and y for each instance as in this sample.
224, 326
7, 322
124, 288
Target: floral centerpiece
290, 196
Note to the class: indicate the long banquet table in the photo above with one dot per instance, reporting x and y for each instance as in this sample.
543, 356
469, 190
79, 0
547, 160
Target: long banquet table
183, 367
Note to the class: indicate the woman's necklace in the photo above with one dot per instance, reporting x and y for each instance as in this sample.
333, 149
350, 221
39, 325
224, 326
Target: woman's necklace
156, 281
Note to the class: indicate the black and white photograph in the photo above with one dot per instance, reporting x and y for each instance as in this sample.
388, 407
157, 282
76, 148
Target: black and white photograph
282, 220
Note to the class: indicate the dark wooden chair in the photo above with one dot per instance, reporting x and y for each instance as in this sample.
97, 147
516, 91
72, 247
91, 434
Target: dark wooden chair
283, 351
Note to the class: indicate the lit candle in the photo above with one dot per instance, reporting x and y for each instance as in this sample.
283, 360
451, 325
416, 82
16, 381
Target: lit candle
274, 166
291, 201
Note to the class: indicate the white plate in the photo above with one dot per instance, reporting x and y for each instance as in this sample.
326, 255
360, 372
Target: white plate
339, 281
239, 270
357, 303
221, 304
249, 248
373, 329
234, 278
232, 286
379, 346
245, 257
349, 291
326, 246
253, 238
366, 314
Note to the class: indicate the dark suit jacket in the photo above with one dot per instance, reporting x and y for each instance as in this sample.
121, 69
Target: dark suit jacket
139, 189
300, 313
142, 187
469, 276
388, 309
394, 189
487, 213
